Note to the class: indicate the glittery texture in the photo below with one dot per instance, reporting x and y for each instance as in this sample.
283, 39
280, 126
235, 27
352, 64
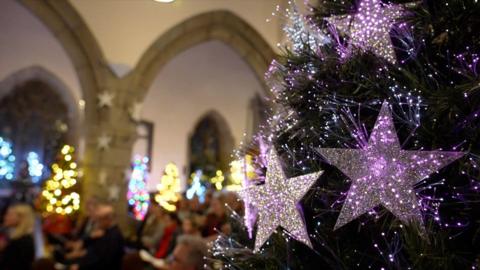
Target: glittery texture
384, 174
277, 202
369, 28
300, 31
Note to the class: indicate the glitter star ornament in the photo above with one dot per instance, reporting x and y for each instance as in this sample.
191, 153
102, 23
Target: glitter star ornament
369, 28
384, 174
277, 202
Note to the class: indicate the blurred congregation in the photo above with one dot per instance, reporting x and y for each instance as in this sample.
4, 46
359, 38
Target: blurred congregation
163, 240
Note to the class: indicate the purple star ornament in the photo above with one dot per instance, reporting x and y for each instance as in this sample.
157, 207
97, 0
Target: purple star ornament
384, 174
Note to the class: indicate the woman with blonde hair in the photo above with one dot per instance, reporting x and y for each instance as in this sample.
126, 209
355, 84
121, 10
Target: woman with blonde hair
17, 249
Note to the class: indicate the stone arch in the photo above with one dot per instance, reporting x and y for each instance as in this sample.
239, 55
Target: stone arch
73, 34
219, 25
225, 137
37, 73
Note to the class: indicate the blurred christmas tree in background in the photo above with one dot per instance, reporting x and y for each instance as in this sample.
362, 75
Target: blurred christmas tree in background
7, 160
169, 188
60, 192
137, 194
383, 97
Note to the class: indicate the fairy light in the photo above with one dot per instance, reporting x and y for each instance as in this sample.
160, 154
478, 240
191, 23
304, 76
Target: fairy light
196, 188
218, 180
7, 160
137, 194
35, 168
169, 188
59, 191
241, 170
301, 32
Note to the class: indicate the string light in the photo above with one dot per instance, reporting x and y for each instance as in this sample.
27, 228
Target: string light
35, 168
137, 195
58, 193
218, 180
7, 160
196, 188
169, 188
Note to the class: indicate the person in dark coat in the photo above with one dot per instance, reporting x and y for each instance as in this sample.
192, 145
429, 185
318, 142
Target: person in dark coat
17, 247
104, 249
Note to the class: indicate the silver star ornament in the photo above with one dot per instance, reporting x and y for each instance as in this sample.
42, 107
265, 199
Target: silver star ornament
277, 202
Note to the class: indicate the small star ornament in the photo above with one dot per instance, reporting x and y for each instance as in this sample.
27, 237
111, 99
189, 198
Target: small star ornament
135, 111
277, 202
105, 99
114, 192
384, 174
370, 26
103, 142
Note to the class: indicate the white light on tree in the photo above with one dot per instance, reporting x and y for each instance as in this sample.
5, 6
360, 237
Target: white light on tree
35, 168
7, 160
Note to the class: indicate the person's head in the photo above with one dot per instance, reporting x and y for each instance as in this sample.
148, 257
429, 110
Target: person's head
190, 225
171, 218
183, 204
194, 203
91, 205
20, 219
217, 205
155, 210
105, 216
189, 253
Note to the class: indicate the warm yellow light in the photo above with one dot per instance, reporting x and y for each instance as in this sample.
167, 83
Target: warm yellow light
164, 1
218, 179
168, 188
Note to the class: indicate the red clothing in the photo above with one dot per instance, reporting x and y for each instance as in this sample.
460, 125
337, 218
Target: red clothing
166, 243
57, 224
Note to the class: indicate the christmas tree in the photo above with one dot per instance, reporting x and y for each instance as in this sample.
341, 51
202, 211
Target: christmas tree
137, 194
169, 188
59, 193
373, 147
7, 160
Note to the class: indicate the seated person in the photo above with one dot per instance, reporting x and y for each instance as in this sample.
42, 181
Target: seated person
217, 215
170, 233
104, 249
190, 226
17, 248
189, 254
154, 227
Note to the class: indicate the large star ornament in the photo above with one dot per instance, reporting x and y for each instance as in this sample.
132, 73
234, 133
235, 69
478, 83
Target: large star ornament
277, 202
384, 174
369, 28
